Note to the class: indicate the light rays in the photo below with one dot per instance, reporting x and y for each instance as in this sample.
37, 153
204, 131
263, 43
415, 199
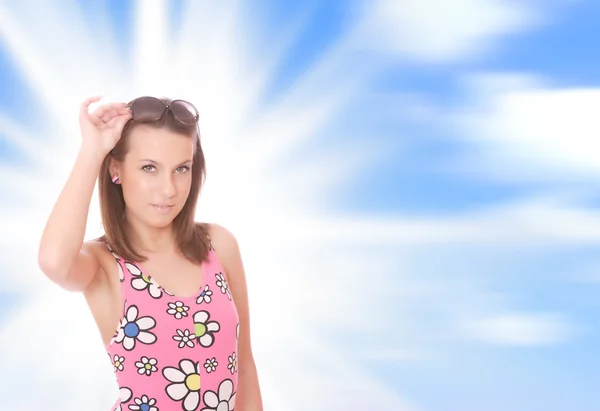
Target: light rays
205, 69
41, 56
312, 271
150, 74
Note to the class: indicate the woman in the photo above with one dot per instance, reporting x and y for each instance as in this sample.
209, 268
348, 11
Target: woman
168, 294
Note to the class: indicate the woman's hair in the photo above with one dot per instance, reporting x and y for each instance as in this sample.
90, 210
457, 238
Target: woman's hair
192, 238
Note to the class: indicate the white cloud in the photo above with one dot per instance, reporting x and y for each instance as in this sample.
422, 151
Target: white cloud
542, 220
438, 30
523, 128
522, 329
291, 251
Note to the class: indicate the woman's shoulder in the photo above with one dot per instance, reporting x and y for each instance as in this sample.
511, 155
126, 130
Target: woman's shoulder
224, 243
101, 249
219, 235
95, 246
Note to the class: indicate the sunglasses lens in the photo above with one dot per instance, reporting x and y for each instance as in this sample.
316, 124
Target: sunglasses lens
147, 109
184, 112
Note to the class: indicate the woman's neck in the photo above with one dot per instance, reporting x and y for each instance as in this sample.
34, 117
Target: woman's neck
153, 240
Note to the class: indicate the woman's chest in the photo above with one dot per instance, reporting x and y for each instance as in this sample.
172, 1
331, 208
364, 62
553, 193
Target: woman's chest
175, 277
194, 319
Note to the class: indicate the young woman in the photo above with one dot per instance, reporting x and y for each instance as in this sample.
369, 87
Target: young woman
168, 294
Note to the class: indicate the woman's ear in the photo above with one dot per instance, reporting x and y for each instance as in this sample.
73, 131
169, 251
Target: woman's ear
114, 168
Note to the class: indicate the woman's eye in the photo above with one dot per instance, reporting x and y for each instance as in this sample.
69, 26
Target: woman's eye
183, 169
148, 168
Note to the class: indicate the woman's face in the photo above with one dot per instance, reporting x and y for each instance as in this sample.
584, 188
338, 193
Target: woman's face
156, 174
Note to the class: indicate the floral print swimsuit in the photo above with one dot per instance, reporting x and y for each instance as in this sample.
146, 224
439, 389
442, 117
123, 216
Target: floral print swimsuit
175, 353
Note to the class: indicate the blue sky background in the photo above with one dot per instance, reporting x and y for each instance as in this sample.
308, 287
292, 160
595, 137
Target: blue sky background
419, 182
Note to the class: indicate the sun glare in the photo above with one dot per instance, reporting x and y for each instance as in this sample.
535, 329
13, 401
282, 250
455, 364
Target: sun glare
273, 207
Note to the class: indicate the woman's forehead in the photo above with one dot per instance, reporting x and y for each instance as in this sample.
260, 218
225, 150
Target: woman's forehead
159, 143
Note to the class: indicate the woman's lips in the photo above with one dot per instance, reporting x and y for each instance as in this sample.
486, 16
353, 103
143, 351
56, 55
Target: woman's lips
163, 208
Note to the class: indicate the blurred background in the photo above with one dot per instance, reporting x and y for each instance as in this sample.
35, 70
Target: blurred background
414, 187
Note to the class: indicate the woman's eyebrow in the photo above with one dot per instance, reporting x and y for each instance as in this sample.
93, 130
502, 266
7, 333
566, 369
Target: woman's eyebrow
148, 160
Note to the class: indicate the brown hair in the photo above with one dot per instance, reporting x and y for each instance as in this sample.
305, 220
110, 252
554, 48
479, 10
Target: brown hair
192, 238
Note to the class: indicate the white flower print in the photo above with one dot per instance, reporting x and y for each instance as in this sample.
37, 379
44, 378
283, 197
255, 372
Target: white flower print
121, 273
142, 282
146, 366
134, 329
205, 295
185, 384
232, 362
124, 396
178, 310
185, 338
211, 364
222, 283
122, 322
224, 401
111, 250
205, 329
143, 404
118, 362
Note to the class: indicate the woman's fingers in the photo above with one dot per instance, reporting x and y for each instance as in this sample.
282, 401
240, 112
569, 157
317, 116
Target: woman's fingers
84, 109
106, 116
106, 112
124, 110
118, 121
87, 102
109, 114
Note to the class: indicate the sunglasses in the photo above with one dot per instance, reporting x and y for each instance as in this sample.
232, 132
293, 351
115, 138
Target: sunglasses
148, 109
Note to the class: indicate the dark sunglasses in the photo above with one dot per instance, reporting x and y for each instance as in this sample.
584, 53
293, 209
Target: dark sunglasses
146, 109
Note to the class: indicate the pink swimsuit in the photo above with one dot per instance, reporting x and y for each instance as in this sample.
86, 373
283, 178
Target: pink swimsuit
172, 353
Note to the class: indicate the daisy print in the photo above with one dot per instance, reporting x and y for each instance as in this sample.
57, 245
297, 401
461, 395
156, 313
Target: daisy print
122, 321
184, 384
125, 395
232, 363
143, 404
121, 273
185, 338
112, 251
205, 329
141, 281
135, 329
118, 362
222, 284
224, 399
205, 296
146, 365
178, 310
211, 364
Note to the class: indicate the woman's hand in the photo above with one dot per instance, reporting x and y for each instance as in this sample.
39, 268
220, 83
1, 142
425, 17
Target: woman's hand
101, 130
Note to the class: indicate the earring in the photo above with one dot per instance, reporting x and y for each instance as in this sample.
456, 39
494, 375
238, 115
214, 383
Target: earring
115, 179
